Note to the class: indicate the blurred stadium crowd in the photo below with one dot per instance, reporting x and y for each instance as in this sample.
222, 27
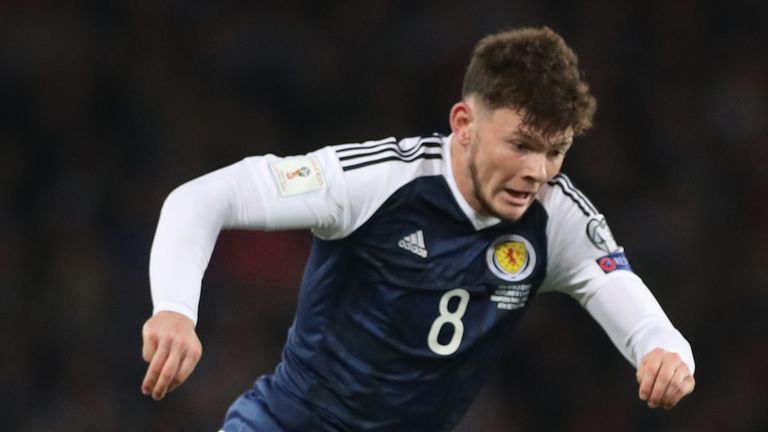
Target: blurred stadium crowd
106, 106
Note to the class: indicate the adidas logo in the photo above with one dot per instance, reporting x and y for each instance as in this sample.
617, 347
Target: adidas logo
414, 243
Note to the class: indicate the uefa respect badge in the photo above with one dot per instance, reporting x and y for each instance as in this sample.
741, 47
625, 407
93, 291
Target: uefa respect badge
614, 261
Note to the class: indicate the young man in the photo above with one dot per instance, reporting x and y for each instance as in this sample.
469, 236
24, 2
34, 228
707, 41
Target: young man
427, 251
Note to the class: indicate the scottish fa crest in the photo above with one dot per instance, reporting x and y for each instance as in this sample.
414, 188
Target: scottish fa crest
511, 257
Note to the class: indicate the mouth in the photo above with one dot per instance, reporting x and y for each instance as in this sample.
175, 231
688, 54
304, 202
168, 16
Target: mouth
517, 198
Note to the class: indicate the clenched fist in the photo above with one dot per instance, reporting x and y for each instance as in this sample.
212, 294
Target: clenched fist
664, 379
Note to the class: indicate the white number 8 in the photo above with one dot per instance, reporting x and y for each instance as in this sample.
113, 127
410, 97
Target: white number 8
448, 317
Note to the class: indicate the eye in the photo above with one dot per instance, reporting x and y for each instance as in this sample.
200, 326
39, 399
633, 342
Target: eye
556, 153
521, 146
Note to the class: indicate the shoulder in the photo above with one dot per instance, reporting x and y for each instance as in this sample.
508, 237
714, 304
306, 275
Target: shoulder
375, 169
559, 196
581, 246
411, 155
370, 172
569, 210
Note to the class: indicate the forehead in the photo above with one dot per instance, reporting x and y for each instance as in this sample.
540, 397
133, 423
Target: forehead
511, 123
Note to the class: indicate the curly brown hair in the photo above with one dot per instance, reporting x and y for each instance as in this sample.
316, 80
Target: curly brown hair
533, 70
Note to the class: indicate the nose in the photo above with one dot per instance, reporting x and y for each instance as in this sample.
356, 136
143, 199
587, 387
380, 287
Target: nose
535, 170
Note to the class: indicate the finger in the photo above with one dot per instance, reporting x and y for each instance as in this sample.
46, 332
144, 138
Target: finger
674, 391
188, 364
155, 366
646, 375
653, 357
663, 378
685, 388
689, 383
168, 373
150, 344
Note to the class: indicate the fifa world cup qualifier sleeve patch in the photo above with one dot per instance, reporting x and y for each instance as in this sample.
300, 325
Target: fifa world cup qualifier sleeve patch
298, 175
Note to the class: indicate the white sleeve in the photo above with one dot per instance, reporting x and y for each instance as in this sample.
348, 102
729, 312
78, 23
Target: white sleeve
263, 192
332, 195
586, 263
634, 320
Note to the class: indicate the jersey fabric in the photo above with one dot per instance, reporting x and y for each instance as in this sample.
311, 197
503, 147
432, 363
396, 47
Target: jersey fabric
408, 294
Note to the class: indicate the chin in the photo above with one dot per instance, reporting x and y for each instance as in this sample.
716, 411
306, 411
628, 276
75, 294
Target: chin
512, 214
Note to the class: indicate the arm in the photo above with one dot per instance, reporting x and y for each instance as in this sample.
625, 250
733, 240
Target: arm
316, 191
587, 264
190, 221
636, 324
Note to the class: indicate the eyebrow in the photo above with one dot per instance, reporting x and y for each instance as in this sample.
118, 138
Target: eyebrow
565, 142
527, 136
562, 144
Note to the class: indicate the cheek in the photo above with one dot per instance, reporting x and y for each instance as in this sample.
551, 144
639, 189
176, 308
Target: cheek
554, 167
505, 165
488, 175
496, 169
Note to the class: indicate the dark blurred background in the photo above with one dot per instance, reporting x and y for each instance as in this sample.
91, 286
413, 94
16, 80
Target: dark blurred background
105, 107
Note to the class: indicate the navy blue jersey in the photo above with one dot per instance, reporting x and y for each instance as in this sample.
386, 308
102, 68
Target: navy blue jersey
409, 298
368, 307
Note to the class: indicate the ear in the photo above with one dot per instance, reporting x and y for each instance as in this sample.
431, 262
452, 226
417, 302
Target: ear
462, 119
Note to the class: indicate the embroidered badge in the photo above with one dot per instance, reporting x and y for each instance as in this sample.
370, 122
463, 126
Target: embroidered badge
298, 175
600, 235
614, 261
511, 257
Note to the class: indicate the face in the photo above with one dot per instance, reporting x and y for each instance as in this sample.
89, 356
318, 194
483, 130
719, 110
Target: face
504, 162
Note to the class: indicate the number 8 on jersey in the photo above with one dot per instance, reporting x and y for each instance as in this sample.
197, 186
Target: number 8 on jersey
448, 317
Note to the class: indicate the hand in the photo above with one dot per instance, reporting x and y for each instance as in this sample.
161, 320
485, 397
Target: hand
664, 379
172, 349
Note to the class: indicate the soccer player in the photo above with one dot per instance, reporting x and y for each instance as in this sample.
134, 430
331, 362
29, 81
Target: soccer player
426, 252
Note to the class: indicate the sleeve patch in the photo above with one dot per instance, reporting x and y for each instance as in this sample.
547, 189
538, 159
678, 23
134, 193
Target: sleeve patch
614, 261
298, 175
600, 235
